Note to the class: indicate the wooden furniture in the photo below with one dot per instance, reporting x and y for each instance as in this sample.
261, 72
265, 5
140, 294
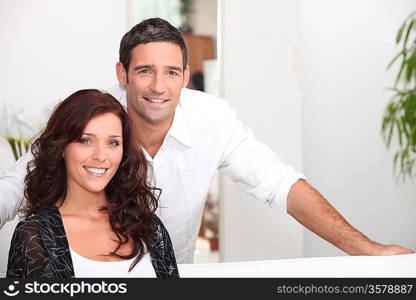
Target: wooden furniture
200, 48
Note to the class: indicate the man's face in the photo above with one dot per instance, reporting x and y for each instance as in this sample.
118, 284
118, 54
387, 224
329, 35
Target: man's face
154, 81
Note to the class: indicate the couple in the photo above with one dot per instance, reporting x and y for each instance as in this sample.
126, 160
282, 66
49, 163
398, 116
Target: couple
176, 129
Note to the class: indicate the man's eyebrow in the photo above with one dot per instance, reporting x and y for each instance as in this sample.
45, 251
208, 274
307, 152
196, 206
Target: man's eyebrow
141, 67
110, 136
174, 68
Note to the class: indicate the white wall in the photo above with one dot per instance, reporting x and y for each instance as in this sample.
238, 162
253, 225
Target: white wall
51, 48
346, 46
335, 131
203, 18
259, 79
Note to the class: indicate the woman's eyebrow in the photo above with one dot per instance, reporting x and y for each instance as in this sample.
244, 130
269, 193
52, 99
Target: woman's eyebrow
111, 136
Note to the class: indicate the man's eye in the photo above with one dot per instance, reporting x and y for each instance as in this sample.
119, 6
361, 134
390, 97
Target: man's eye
85, 141
173, 73
113, 143
144, 71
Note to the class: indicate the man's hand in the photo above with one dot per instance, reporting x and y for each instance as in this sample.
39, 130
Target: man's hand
380, 249
308, 207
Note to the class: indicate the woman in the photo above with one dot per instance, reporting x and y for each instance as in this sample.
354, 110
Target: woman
89, 212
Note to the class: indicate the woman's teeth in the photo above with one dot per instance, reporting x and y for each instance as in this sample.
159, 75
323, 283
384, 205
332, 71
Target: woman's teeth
97, 171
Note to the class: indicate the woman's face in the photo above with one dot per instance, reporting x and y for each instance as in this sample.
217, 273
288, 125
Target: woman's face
92, 161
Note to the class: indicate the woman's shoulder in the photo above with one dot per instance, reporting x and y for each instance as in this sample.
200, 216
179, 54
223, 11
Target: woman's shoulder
161, 238
37, 245
159, 227
40, 220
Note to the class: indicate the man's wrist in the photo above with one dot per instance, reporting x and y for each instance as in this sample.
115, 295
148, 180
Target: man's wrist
371, 248
361, 245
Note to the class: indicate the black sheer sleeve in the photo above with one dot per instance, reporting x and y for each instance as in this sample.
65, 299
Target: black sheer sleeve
27, 256
163, 256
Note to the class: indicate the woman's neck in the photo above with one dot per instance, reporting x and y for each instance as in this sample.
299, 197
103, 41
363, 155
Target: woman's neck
83, 203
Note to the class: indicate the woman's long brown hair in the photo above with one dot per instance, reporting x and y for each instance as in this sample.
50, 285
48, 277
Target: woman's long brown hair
131, 201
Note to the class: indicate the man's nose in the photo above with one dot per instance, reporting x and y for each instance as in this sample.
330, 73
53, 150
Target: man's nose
158, 84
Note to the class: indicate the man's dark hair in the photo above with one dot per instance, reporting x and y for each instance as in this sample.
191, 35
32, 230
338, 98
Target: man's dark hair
148, 31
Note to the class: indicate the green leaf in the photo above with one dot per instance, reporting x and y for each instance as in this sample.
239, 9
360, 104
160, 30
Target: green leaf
413, 139
399, 118
12, 143
26, 143
403, 52
411, 62
399, 132
403, 161
396, 156
400, 33
389, 136
404, 127
410, 167
409, 28
402, 66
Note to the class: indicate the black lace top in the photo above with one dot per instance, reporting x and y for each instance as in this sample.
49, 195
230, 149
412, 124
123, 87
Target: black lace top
39, 249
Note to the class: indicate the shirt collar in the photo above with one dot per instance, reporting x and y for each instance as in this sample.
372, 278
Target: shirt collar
180, 128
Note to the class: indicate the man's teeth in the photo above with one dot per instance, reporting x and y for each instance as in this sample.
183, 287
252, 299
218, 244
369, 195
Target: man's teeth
156, 100
96, 171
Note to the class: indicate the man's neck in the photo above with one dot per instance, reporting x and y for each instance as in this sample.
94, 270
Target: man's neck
150, 136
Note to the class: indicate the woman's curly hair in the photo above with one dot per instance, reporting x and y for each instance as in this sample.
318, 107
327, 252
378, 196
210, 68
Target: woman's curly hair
131, 200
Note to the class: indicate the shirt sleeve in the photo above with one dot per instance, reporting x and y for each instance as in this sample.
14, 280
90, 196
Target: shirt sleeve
11, 189
257, 169
163, 254
27, 254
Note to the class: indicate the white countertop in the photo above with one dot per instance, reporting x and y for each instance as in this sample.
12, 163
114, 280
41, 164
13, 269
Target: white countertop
340, 266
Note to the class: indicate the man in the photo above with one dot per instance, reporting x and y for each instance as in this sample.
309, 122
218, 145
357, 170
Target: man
187, 135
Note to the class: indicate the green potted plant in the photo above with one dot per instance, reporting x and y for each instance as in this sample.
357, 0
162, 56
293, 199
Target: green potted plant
15, 129
399, 118
185, 8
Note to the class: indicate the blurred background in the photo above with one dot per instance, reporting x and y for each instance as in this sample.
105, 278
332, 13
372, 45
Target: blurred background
308, 76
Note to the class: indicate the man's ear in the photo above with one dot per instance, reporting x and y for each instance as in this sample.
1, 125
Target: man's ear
186, 75
121, 73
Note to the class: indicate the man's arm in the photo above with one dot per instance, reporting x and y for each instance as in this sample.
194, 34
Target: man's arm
312, 210
11, 189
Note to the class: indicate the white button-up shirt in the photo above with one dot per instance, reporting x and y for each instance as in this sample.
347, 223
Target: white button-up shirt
205, 136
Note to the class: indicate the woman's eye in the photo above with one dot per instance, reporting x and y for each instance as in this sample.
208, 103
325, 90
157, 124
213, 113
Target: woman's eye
114, 143
85, 141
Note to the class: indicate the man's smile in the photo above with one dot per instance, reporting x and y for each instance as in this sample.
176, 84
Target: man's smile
155, 100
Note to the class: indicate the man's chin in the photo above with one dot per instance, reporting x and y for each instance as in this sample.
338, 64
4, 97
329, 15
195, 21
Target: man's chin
158, 119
